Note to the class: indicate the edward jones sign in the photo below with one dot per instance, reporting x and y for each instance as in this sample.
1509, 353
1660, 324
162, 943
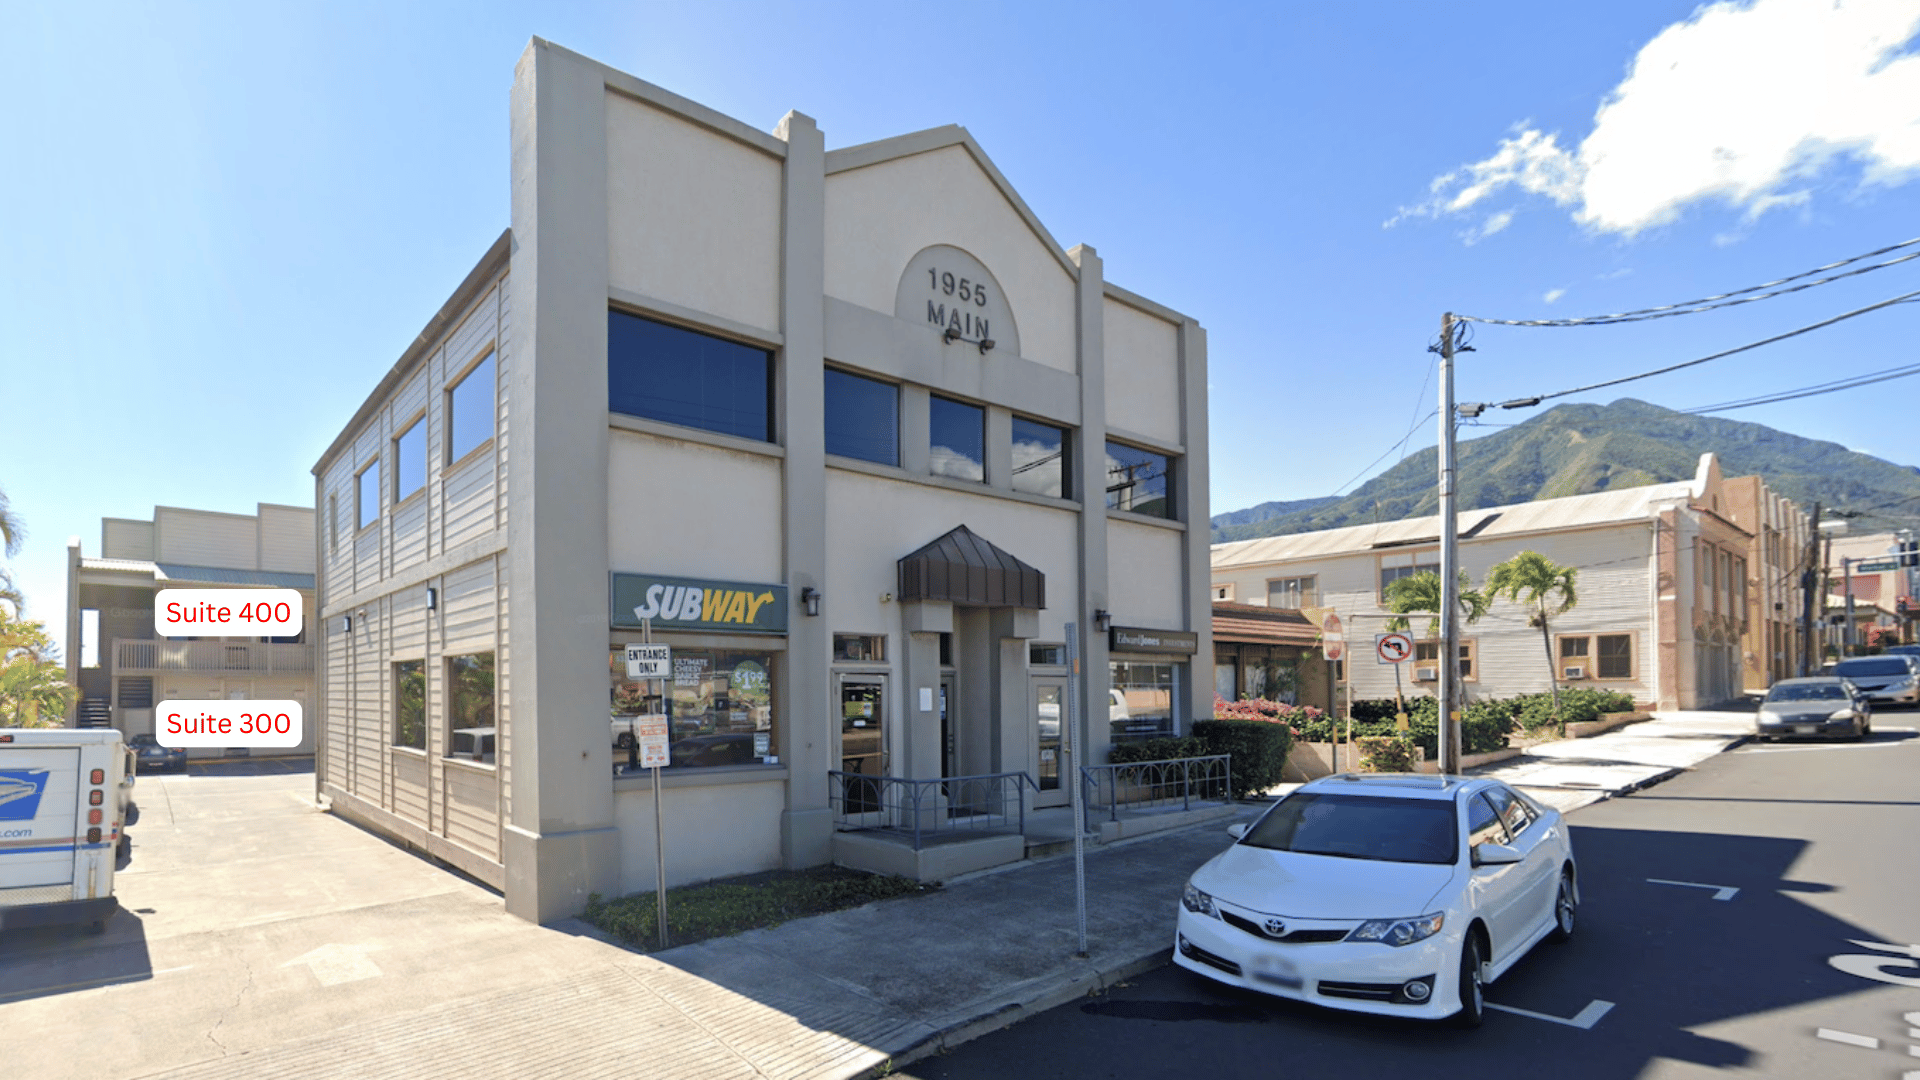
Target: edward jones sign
675, 603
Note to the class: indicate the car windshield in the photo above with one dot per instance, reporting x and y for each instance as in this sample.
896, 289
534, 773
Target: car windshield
144, 740
1360, 827
1808, 692
1876, 665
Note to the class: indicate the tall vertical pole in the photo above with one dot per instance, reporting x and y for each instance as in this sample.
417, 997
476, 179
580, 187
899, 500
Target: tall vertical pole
1070, 732
1449, 739
1849, 640
1808, 580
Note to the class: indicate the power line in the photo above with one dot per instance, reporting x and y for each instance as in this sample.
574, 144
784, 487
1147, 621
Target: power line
1747, 295
1811, 391
1519, 403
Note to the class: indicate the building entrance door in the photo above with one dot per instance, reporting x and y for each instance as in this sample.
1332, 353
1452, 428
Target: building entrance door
863, 744
949, 706
1049, 714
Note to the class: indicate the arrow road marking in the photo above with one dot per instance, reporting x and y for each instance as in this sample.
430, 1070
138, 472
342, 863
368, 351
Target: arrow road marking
333, 964
1721, 892
1584, 1019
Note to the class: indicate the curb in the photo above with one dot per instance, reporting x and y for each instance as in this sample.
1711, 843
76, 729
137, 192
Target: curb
1056, 991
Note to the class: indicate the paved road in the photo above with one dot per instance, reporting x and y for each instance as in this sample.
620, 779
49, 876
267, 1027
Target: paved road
1819, 841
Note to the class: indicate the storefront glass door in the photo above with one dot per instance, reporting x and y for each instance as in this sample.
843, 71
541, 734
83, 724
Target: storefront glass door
863, 741
1049, 713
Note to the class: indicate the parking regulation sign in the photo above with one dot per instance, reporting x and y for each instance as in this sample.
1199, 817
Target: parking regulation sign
1392, 648
649, 661
653, 741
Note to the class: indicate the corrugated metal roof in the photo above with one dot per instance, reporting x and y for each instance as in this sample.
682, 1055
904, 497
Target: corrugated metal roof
217, 575
963, 568
1541, 515
182, 574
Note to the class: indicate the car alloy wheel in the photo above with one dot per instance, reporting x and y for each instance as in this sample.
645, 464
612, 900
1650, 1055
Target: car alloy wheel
1473, 1000
1563, 905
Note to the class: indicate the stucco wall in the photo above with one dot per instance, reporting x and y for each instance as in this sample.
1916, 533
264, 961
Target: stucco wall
694, 510
1143, 373
711, 832
693, 217
880, 216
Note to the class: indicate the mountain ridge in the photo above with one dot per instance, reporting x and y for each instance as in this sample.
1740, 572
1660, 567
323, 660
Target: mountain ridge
1577, 449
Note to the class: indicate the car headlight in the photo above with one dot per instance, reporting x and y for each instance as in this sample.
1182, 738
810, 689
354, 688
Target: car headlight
1197, 902
1397, 932
1841, 714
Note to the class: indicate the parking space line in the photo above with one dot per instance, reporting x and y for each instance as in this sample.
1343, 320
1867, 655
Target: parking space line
1849, 1038
1721, 892
1584, 1019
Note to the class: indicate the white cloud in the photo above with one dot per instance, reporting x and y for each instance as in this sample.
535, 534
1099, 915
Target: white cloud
1553, 295
1739, 104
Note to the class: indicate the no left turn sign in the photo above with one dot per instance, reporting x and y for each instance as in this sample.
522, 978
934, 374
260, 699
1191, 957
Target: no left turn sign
1393, 648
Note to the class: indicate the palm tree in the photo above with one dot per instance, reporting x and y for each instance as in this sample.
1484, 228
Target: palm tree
1421, 592
11, 531
1548, 588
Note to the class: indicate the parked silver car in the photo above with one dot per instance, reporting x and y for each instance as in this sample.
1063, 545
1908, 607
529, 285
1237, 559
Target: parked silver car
1818, 706
1892, 679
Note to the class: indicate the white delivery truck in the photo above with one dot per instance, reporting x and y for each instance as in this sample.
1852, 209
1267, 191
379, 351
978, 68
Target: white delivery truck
66, 798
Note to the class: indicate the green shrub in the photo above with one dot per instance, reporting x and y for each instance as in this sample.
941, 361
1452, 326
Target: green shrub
730, 906
1259, 750
1385, 753
1126, 753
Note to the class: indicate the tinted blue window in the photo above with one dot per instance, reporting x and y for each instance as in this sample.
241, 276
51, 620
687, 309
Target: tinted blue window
1138, 480
863, 418
959, 440
410, 460
1040, 459
676, 376
470, 405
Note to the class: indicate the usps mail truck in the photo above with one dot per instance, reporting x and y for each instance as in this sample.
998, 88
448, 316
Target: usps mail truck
66, 797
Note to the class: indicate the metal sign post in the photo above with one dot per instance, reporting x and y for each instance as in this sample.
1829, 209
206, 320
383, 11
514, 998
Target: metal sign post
651, 737
1071, 744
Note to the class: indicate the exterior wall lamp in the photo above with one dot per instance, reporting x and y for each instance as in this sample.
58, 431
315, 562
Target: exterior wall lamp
810, 599
1102, 620
433, 598
347, 624
985, 344
952, 335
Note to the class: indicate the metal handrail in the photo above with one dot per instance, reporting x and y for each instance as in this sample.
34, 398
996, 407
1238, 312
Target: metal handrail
1151, 783
927, 808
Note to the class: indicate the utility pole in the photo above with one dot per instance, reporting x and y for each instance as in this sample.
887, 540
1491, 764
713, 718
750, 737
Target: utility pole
1449, 734
1847, 639
1808, 578
1826, 561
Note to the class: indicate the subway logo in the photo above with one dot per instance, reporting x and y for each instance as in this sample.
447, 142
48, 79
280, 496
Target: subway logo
707, 605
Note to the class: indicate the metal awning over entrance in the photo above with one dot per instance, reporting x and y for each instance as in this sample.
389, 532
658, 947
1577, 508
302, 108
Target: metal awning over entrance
963, 568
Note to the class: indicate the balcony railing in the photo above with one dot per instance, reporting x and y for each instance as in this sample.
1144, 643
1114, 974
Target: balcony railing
255, 657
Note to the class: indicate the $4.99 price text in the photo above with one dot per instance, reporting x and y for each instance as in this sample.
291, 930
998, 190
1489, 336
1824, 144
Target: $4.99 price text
227, 613
228, 723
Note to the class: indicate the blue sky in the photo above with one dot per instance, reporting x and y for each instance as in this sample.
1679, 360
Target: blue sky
224, 222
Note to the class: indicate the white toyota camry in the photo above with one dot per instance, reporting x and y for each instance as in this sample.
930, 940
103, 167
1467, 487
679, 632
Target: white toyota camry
1386, 893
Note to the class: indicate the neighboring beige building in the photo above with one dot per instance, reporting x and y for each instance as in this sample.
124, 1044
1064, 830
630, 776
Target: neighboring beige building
849, 428
1664, 586
1877, 593
1774, 644
110, 616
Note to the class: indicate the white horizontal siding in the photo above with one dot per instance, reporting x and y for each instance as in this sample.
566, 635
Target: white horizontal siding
467, 622
473, 809
198, 538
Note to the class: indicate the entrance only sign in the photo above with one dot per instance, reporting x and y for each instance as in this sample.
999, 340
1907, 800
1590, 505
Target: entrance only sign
1333, 641
649, 661
1392, 648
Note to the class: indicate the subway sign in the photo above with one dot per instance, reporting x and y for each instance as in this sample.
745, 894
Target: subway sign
676, 603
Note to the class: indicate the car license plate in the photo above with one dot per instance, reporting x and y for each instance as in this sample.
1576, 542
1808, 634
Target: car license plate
1807, 729
1277, 970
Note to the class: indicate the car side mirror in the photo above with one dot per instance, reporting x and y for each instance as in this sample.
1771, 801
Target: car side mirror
1237, 831
1494, 855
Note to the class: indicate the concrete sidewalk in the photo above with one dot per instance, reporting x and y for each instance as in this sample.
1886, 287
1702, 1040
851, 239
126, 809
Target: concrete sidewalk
370, 963
995, 948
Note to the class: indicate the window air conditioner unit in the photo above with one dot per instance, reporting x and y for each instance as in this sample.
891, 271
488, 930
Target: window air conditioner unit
1573, 671
1426, 673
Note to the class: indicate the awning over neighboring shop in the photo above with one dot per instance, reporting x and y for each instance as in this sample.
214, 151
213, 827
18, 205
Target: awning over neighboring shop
963, 568
1252, 624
